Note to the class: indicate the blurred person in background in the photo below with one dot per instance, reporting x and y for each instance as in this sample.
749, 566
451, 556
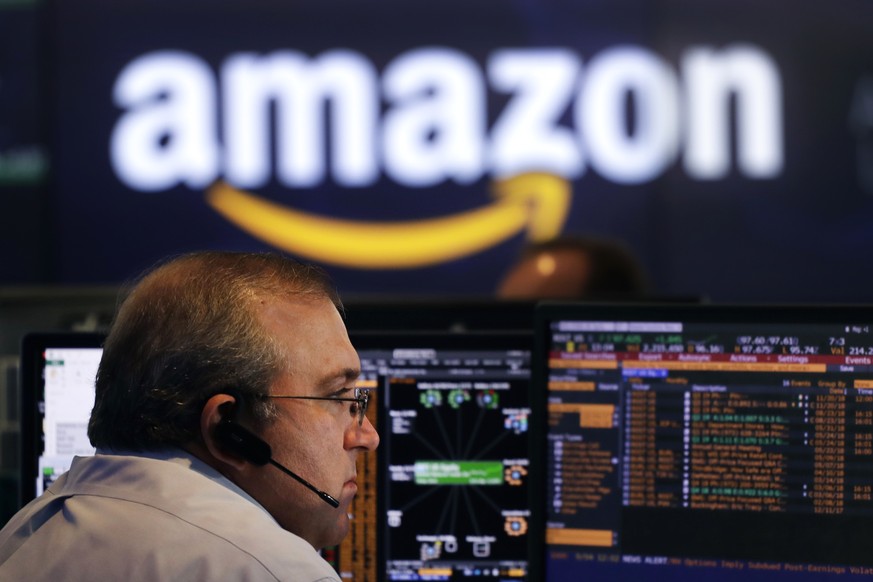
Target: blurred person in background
575, 268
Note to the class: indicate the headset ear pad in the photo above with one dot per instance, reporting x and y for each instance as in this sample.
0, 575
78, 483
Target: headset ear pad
236, 439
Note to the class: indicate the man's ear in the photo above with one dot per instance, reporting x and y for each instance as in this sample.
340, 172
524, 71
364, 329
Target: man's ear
220, 408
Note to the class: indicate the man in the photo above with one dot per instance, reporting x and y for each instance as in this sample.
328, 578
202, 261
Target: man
574, 268
218, 366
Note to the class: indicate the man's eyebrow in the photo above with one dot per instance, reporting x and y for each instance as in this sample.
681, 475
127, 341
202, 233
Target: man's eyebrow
346, 375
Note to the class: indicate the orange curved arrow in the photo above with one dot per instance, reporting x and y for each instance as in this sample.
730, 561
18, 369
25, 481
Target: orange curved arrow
538, 202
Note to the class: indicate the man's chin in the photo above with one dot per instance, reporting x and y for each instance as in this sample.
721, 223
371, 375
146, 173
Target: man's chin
338, 532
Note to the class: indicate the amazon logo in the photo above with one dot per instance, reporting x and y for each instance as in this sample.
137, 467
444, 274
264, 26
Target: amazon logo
537, 203
423, 120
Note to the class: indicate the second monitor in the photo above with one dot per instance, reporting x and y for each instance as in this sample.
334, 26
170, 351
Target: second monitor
454, 473
719, 442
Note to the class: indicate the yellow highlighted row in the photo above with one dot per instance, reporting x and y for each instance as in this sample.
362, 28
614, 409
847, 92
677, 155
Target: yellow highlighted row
674, 365
601, 538
590, 415
724, 366
572, 386
595, 364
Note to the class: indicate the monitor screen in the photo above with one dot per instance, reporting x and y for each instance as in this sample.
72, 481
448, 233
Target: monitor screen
58, 371
410, 147
454, 460
706, 442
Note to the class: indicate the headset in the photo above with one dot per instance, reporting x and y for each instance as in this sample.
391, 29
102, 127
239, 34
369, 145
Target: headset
240, 441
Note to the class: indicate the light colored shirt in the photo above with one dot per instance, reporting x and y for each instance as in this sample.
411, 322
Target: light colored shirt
156, 516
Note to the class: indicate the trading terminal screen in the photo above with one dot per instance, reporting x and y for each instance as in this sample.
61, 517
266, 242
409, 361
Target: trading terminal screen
58, 374
731, 443
454, 485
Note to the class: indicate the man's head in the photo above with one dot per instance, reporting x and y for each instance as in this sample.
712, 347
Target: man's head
209, 338
574, 268
188, 330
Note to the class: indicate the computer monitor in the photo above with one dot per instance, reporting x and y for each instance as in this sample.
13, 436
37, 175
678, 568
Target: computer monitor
58, 371
710, 442
454, 483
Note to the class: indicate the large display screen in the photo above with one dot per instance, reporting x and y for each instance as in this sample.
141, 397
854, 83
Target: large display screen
415, 147
717, 443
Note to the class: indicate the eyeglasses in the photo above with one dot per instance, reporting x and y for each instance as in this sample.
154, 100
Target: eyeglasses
357, 408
